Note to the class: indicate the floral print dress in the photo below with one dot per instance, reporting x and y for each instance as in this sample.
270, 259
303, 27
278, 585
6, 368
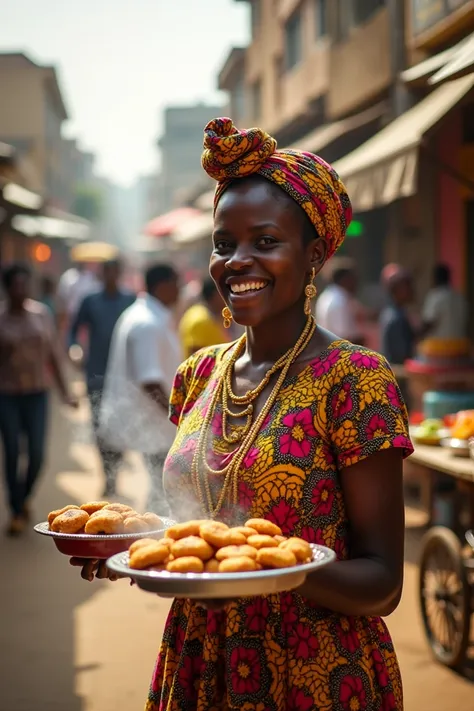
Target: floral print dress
283, 652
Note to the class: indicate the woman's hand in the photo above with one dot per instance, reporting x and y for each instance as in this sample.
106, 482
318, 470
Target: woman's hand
93, 568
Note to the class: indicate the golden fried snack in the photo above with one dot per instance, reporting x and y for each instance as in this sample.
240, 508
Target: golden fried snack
219, 535
141, 543
240, 564
145, 557
193, 547
93, 506
129, 514
276, 558
264, 527
245, 530
153, 521
236, 552
280, 539
58, 512
236, 538
183, 530
211, 566
300, 548
104, 521
187, 564
168, 542
71, 521
122, 509
134, 524
261, 541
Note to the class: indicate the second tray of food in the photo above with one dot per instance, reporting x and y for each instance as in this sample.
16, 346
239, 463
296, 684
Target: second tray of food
208, 559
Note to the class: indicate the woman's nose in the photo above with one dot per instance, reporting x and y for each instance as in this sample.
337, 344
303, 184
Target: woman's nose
240, 259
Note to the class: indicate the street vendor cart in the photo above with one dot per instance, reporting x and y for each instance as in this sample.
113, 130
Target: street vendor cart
446, 573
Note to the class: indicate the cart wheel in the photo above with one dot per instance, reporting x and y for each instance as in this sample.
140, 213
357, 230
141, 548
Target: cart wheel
445, 596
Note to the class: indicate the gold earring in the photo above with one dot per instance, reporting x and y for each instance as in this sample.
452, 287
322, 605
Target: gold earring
310, 293
227, 316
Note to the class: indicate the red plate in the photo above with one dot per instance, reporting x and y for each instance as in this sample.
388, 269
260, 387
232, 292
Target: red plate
83, 545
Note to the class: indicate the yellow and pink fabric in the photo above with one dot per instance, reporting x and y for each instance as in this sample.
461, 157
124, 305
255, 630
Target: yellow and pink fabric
230, 153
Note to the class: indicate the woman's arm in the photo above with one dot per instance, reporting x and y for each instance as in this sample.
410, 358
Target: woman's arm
370, 583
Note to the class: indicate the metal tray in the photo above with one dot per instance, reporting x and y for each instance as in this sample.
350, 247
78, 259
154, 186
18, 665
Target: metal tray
100, 547
458, 447
219, 586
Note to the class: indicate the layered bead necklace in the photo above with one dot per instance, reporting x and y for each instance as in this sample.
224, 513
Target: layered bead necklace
242, 436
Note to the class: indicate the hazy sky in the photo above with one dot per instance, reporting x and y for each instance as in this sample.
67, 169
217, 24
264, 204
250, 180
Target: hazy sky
121, 61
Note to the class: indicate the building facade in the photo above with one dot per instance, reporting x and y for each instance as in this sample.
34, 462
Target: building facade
355, 81
32, 112
181, 148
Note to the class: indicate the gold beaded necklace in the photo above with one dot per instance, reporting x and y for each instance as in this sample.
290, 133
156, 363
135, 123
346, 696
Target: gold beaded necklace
200, 469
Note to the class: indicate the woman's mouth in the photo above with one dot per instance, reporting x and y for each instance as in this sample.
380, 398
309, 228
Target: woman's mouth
247, 287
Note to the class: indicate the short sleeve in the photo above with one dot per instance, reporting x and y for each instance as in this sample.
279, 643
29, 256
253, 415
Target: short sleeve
145, 355
431, 307
190, 380
365, 408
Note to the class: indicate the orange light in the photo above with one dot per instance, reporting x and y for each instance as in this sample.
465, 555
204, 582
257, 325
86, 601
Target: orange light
41, 252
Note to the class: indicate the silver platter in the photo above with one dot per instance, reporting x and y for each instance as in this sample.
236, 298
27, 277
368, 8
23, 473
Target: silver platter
459, 447
205, 586
44, 530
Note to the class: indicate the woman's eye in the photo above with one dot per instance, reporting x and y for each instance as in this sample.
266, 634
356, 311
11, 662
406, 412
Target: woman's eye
221, 246
266, 241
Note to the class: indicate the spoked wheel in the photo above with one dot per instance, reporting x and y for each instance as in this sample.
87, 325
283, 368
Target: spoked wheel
445, 596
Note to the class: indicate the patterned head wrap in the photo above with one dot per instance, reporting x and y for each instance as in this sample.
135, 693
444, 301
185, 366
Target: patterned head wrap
230, 154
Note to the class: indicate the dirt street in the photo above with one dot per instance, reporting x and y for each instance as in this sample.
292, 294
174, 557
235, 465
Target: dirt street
72, 646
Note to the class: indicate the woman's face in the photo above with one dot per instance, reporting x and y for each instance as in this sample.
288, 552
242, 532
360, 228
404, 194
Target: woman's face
259, 261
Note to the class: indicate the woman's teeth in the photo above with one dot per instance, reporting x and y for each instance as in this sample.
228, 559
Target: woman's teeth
251, 286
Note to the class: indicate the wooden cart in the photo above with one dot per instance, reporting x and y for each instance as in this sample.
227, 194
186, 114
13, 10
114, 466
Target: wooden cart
446, 575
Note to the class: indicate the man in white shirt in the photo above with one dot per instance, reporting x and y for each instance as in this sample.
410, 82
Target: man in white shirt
445, 309
144, 356
337, 308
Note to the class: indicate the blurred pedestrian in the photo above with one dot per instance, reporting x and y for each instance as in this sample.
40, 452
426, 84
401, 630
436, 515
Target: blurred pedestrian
48, 295
445, 312
74, 285
201, 325
396, 330
337, 309
28, 353
144, 357
98, 314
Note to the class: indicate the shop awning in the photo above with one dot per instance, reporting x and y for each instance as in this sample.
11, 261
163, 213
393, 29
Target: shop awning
167, 223
324, 135
461, 63
53, 224
194, 230
385, 167
20, 197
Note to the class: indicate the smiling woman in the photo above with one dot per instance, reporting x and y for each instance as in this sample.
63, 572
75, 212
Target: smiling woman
298, 427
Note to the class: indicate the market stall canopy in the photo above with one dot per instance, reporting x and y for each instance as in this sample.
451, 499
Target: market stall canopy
20, 197
50, 227
167, 223
195, 229
460, 64
90, 252
205, 201
385, 168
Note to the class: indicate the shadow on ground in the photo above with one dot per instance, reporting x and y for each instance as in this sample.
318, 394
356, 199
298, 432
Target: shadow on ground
39, 593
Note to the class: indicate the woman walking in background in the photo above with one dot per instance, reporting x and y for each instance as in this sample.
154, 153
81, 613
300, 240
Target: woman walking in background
28, 351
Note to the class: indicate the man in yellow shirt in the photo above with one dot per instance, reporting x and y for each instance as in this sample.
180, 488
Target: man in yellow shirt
201, 325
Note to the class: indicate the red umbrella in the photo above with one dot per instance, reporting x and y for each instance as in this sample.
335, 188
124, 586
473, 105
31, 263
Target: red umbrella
164, 225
